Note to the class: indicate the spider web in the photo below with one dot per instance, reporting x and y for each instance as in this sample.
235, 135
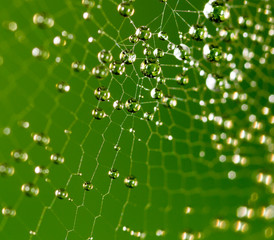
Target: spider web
204, 168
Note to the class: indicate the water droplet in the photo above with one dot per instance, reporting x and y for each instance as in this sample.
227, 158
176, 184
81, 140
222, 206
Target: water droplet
148, 116
98, 113
126, 9
102, 93
216, 11
198, 32
100, 71
158, 53
30, 189
212, 53
41, 139
6, 169
133, 39
156, 93
169, 102
62, 87
117, 67
61, 193
163, 36
42, 171
131, 182
87, 186
88, 3
143, 33
19, 155
8, 212
182, 79
214, 83
43, 20
150, 69
59, 41
78, 66
118, 105
132, 105
40, 53
57, 158
182, 52
105, 56
228, 35
127, 56
117, 147
113, 173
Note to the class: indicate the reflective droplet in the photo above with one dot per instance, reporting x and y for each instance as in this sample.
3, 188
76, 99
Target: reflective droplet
169, 102
127, 56
133, 39
131, 182
8, 212
228, 35
117, 67
59, 41
125, 9
78, 66
102, 93
42, 171
30, 189
148, 116
105, 56
118, 105
216, 11
62, 87
156, 93
214, 83
143, 33
163, 36
212, 53
87, 186
61, 193
6, 169
43, 20
19, 155
198, 32
57, 158
158, 53
88, 3
117, 147
182, 79
182, 52
41, 139
98, 113
113, 173
40, 53
100, 71
150, 69
132, 105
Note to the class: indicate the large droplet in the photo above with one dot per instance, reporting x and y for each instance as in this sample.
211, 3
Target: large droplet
156, 93
30, 189
43, 20
143, 33
98, 113
105, 56
148, 116
132, 105
131, 182
118, 105
41, 139
102, 93
100, 71
117, 67
125, 9
57, 158
113, 173
198, 32
19, 155
182, 52
8, 212
61, 193
150, 69
212, 53
6, 169
216, 11
127, 56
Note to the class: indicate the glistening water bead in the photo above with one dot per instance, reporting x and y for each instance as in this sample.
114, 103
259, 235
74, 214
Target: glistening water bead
42, 171
182, 79
150, 69
118, 105
100, 71
43, 20
104, 56
98, 113
156, 93
117, 67
143, 33
62, 87
19, 155
40, 53
132, 105
88, 3
126, 9
127, 56
30, 189
113, 173
214, 82
198, 32
216, 11
57, 158
102, 93
87, 186
169, 101
212, 53
41, 139
78, 66
61, 193
8, 212
6, 169
131, 182
182, 52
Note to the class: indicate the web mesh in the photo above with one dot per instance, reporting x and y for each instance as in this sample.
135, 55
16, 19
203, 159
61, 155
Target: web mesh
204, 168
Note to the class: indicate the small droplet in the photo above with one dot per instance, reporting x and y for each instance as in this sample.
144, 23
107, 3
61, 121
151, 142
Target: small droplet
41, 139
169, 102
182, 52
156, 93
117, 67
113, 173
43, 20
61, 193
87, 186
127, 56
182, 79
102, 93
42, 171
126, 9
118, 105
98, 113
131, 182
212, 53
30, 189
6, 169
158, 53
100, 71
148, 116
198, 32
78, 66
40, 53
19, 155
117, 147
8, 212
132, 105
62, 87
59, 41
143, 33
57, 158
150, 69
88, 3
163, 36
105, 56
216, 11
